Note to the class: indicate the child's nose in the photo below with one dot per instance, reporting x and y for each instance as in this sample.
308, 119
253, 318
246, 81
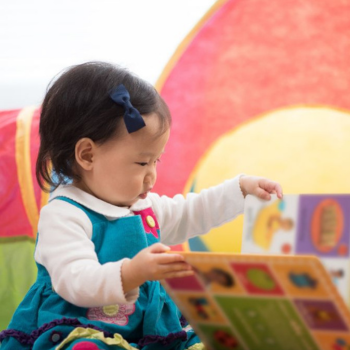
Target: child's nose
151, 176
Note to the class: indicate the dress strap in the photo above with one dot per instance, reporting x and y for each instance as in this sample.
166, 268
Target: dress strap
93, 216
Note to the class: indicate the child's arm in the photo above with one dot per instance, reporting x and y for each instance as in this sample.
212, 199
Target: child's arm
182, 218
65, 249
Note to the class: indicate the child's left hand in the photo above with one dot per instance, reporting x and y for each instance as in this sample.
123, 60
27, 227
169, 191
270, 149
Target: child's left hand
260, 187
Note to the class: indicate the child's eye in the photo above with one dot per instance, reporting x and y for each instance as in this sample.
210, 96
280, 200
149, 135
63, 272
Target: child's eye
144, 163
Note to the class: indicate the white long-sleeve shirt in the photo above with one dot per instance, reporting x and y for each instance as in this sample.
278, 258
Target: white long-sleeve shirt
65, 248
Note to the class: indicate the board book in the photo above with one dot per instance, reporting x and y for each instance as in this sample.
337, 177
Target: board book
306, 224
261, 302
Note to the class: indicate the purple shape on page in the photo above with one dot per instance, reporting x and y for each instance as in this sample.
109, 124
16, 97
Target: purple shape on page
307, 207
320, 315
189, 283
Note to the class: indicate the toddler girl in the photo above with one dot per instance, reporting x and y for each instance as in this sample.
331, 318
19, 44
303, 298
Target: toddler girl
103, 238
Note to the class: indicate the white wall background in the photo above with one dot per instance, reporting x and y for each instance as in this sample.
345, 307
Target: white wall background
39, 38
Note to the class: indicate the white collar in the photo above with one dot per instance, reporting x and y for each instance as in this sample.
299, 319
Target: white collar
99, 206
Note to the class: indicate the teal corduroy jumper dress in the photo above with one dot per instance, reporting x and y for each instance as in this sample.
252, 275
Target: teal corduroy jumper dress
44, 320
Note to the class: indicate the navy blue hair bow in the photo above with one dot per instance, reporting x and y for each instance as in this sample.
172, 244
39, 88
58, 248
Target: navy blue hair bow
132, 117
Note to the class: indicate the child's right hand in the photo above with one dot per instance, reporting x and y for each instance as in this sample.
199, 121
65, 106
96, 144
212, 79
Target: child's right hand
153, 263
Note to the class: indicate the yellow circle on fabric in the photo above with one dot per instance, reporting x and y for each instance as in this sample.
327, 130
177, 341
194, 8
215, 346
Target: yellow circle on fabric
150, 221
111, 310
305, 148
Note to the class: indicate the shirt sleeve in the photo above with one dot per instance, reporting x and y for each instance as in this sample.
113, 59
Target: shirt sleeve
181, 218
65, 249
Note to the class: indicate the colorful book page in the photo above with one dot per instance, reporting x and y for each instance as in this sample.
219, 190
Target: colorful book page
257, 302
302, 224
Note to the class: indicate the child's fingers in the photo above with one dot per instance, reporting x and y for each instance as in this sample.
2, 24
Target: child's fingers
159, 248
272, 187
168, 258
162, 271
175, 267
279, 191
179, 274
261, 193
268, 185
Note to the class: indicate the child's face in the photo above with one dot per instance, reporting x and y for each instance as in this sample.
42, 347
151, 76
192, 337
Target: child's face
124, 168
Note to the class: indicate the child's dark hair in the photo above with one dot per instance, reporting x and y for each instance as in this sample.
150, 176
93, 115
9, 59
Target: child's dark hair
78, 105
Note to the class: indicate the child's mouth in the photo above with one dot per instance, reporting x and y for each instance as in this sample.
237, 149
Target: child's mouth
143, 195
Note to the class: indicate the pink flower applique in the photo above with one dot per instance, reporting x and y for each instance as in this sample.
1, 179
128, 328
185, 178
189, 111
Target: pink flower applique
117, 314
149, 221
85, 345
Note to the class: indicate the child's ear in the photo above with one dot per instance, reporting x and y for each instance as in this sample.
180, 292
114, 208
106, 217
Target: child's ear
84, 153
